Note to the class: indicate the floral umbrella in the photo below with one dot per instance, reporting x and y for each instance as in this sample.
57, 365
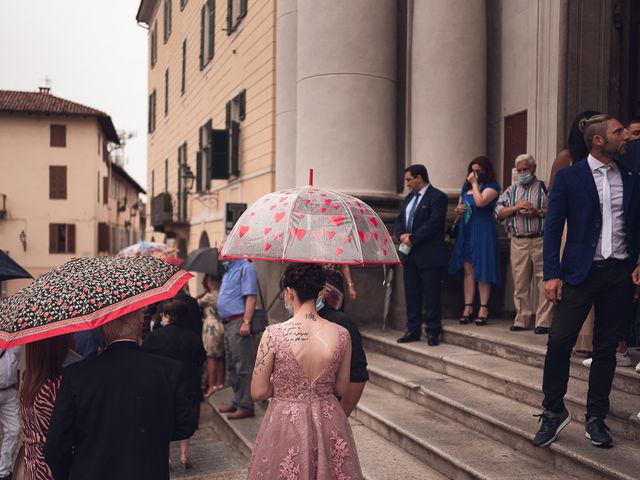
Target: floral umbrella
309, 224
85, 293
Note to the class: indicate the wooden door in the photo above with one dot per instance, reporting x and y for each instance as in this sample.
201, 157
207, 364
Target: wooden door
515, 143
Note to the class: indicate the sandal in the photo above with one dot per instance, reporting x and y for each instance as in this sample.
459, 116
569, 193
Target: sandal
186, 464
482, 320
465, 319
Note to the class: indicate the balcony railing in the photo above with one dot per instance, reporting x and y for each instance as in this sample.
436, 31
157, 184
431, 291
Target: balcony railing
165, 210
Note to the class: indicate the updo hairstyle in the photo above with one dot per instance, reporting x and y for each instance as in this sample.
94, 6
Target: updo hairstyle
307, 279
176, 310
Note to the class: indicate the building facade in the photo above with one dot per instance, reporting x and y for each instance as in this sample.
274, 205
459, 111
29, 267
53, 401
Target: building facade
211, 115
55, 181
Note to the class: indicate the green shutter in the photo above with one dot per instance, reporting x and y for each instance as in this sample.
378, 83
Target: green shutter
242, 103
219, 154
199, 172
243, 8
229, 17
234, 148
202, 19
227, 119
212, 28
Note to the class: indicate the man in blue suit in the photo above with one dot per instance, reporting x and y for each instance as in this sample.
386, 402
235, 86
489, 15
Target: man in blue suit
598, 198
420, 229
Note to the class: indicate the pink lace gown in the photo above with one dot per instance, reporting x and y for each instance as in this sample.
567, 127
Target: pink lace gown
305, 434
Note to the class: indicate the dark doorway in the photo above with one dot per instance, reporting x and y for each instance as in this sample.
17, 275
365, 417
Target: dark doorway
515, 143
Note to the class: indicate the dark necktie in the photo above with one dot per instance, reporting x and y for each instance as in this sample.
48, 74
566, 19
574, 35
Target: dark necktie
412, 213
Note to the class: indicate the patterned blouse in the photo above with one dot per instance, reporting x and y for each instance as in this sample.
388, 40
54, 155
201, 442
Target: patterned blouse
518, 225
35, 424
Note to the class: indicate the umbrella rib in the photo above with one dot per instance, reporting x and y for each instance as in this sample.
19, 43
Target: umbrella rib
285, 239
353, 220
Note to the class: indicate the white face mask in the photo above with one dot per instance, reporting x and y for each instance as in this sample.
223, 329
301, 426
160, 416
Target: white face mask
289, 307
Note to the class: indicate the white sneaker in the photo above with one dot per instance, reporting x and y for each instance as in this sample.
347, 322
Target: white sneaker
622, 360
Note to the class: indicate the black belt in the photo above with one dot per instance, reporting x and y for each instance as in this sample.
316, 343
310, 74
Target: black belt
531, 235
608, 262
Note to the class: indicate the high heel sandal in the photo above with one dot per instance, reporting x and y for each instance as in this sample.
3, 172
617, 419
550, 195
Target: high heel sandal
482, 320
186, 464
466, 319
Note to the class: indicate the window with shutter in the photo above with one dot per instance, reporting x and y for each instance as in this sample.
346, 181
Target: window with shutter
207, 32
166, 175
167, 20
211, 18
219, 154
198, 171
203, 13
234, 148
105, 190
236, 11
242, 104
183, 3
166, 92
58, 136
154, 44
183, 85
57, 182
62, 238
104, 238
152, 111
53, 237
71, 238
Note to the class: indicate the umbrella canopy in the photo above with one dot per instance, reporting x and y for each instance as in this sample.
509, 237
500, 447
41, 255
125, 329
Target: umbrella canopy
85, 293
203, 260
309, 224
10, 269
152, 249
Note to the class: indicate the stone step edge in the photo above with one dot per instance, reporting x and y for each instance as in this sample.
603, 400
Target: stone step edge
626, 379
578, 402
525, 445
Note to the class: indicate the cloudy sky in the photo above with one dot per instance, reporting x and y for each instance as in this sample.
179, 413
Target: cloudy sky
93, 51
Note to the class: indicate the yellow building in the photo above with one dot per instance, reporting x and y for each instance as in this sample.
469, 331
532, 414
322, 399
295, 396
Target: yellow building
211, 115
55, 182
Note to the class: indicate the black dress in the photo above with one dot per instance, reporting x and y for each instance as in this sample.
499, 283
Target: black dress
185, 346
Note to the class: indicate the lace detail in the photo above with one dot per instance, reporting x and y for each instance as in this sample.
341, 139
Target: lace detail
339, 452
293, 412
289, 470
327, 408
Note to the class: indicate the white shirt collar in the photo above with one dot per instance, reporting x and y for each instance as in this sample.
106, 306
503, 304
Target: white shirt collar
422, 191
595, 164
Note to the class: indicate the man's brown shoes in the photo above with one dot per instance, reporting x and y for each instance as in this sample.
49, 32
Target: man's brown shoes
227, 408
238, 414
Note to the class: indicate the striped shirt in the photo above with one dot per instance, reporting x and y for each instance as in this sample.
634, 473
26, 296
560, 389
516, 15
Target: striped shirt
518, 225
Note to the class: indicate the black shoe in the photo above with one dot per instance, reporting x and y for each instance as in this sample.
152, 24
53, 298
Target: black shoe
465, 319
433, 339
409, 337
598, 432
552, 423
541, 330
515, 328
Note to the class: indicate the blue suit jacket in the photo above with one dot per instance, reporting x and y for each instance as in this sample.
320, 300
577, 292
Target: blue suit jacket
574, 198
429, 249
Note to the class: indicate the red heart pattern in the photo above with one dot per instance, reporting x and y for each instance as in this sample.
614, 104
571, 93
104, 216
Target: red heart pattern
337, 220
243, 229
279, 216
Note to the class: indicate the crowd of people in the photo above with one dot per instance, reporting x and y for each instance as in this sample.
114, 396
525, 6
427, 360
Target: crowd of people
579, 240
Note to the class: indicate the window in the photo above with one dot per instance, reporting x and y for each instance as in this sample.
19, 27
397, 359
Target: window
236, 112
62, 238
166, 175
57, 182
203, 158
207, 32
154, 44
183, 3
58, 136
236, 11
183, 85
104, 238
182, 194
166, 92
105, 190
152, 111
167, 20
153, 183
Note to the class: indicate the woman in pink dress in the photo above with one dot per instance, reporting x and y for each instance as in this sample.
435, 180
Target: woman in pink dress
303, 365
44, 361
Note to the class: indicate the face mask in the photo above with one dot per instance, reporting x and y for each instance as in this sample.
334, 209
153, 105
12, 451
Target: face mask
225, 264
288, 306
319, 304
525, 178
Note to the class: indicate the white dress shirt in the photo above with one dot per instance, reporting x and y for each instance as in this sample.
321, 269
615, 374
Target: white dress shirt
416, 198
9, 363
612, 210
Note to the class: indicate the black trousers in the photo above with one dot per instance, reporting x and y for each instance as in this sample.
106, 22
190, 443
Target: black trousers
422, 287
609, 289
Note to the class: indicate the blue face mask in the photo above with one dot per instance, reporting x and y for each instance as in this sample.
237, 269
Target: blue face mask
525, 178
319, 306
225, 264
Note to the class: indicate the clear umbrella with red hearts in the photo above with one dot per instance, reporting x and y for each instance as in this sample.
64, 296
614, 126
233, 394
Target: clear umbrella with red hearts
309, 224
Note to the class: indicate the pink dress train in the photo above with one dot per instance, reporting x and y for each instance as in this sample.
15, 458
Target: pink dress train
305, 434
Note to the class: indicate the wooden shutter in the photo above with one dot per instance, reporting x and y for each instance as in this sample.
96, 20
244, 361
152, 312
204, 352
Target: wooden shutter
234, 147
104, 239
53, 238
227, 119
203, 14
243, 8
199, 172
219, 154
515, 143
166, 92
183, 87
242, 104
57, 182
71, 238
212, 28
58, 137
229, 17
105, 190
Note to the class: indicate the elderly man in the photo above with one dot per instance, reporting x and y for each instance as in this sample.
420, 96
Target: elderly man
236, 305
9, 409
116, 414
522, 206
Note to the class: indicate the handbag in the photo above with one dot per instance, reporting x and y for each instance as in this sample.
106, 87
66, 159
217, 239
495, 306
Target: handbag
451, 233
259, 320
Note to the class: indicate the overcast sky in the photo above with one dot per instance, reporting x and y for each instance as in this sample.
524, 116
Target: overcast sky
94, 52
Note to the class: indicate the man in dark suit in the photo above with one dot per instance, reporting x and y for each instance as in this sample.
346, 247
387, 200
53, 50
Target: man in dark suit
115, 414
420, 229
598, 198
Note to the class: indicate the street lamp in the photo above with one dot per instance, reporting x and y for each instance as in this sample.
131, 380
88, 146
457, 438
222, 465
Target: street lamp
188, 178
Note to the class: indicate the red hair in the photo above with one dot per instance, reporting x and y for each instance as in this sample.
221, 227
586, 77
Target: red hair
484, 163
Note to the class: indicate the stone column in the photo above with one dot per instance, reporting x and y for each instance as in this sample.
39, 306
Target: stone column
346, 125
286, 77
448, 88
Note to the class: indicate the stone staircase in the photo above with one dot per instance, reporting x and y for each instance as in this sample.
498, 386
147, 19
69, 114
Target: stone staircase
464, 410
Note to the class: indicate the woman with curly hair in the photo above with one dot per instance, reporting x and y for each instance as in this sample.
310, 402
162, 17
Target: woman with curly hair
303, 365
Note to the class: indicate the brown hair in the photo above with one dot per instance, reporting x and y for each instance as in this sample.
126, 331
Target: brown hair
595, 125
43, 361
176, 310
484, 163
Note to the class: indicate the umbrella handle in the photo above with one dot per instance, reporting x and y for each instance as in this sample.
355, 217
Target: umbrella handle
311, 177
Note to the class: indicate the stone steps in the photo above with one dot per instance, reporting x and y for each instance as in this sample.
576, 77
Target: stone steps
380, 459
528, 348
514, 380
500, 418
457, 451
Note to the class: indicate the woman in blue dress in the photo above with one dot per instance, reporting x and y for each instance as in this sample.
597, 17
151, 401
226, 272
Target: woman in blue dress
475, 253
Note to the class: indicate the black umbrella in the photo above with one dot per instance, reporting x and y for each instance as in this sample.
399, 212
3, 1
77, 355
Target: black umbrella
203, 260
10, 269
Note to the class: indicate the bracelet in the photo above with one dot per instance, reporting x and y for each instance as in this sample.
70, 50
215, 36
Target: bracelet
350, 284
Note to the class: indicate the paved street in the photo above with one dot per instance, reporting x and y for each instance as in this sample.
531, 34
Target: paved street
212, 457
